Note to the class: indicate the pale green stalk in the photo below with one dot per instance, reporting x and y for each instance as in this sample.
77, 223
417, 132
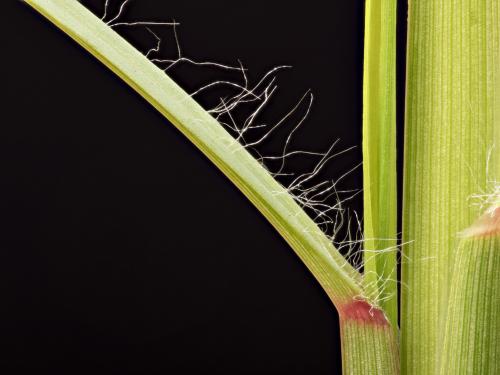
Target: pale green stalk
379, 155
368, 352
450, 127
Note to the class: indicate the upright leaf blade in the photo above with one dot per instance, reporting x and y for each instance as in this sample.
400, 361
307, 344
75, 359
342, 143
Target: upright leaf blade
379, 155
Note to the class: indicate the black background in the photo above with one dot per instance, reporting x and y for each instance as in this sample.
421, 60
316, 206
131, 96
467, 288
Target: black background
122, 249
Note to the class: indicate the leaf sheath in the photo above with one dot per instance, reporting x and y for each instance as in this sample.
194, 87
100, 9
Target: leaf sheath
472, 336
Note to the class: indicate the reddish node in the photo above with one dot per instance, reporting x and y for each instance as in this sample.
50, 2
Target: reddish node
363, 312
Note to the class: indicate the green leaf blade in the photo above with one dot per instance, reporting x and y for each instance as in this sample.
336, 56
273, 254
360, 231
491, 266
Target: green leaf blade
339, 279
